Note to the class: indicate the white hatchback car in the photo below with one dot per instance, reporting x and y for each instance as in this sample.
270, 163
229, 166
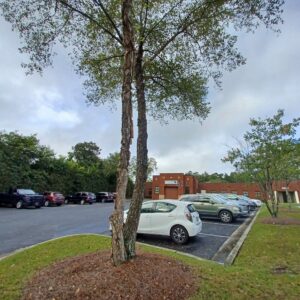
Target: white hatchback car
173, 218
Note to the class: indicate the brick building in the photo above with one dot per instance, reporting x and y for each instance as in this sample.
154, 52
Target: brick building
173, 185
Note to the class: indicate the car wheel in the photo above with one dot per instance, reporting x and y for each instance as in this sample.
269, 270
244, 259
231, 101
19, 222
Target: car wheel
81, 202
37, 206
58, 204
46, 203
66, 201
19, 204
102, 201
179, 234
225, 216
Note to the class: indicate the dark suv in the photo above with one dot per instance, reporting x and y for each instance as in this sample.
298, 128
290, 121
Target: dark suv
80, 198
104, 197
20, 198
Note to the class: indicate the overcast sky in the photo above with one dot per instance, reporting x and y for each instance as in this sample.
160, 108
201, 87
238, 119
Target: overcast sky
53, 106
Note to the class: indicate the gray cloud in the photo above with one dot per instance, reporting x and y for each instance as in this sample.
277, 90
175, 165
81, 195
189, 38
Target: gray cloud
53, 106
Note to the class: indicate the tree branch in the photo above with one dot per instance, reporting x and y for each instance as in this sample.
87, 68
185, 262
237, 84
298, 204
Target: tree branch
162, 18
87, 16
105, 58
98, 2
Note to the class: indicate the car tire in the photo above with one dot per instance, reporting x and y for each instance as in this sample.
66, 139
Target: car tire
37, 206
102, 201
58, 204
225, 216
19, 204
82, 202
46, 203
66, 201
179, 234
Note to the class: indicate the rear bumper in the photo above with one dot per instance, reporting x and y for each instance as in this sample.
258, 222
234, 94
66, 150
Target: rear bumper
193, 229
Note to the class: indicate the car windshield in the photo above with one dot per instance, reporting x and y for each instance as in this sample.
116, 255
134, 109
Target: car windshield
25, 192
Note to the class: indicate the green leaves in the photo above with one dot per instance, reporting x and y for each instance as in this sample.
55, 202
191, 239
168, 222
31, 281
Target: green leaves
269, 153
26, 163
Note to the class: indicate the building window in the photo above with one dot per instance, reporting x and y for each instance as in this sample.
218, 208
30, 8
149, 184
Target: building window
246, 194
156, 190
257, 194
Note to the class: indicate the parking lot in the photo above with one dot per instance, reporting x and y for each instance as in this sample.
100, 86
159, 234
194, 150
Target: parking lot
205, 245
26, 227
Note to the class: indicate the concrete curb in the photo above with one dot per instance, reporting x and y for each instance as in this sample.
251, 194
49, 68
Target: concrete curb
234, 243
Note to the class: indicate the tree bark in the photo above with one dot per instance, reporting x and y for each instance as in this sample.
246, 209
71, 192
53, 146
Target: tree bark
118, 248
142, 160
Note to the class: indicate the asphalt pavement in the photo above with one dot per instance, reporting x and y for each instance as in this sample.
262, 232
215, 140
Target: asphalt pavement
20, 228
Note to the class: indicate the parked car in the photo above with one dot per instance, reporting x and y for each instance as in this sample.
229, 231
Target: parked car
20, 198
53, 198
80, 198
213, 206
173, 218
243, 201
257, 202
93, 196
104, 197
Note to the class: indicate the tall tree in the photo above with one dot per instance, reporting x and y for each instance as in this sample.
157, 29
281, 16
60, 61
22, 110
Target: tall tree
266, 152
96, 32
86, 154
179, 46
169, 48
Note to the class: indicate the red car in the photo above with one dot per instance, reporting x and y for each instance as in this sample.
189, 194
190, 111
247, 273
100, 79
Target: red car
53, 198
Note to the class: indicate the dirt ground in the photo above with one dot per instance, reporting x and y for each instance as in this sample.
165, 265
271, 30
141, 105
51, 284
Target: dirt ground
92, 276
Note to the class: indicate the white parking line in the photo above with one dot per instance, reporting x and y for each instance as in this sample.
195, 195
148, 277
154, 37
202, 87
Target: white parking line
215, 235
221, 224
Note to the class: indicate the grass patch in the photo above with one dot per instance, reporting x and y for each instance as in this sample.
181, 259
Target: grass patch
267, 267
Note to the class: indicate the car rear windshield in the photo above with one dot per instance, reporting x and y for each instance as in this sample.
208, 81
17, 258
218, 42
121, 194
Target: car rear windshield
191, 208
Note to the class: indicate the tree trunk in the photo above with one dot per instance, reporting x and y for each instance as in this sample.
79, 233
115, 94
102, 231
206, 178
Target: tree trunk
118, 248
142, 161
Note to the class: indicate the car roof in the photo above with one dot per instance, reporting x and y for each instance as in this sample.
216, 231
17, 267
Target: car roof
171, 201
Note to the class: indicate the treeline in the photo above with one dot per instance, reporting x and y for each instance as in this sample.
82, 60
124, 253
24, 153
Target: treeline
222, 177
24, 162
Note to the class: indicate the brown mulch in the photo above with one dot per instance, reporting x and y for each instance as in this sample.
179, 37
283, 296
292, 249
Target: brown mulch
280, 221
92, 276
